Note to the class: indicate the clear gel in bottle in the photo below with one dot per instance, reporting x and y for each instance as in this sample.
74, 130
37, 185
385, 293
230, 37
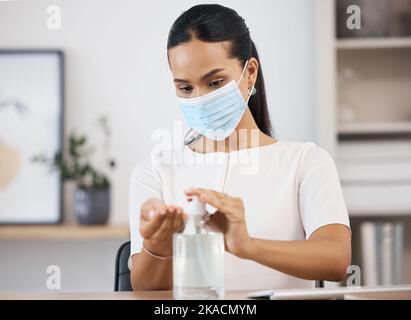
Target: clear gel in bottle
198, 264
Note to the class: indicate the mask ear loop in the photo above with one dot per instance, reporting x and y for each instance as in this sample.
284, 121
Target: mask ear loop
242, 73
250, 91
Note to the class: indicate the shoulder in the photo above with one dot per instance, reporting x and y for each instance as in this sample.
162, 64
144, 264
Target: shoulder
312, 154
309, 156
304, 150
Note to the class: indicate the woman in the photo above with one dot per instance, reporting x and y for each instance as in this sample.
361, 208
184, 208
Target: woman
285, 223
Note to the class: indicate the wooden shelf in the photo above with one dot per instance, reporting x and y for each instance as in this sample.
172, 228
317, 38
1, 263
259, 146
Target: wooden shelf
374, 43
375, 127
63, 232
382, 214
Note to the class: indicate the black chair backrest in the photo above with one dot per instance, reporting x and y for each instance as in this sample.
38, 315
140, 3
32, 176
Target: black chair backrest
122, 273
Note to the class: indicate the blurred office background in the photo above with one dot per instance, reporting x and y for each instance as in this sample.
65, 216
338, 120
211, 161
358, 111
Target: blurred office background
346, 90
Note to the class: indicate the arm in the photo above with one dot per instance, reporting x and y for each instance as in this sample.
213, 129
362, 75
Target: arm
157, 228
326, 255
150, 274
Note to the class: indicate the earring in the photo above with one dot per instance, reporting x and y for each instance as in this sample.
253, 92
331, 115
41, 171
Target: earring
252, 91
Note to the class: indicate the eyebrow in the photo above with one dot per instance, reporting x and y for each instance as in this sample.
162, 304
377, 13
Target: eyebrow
204, 77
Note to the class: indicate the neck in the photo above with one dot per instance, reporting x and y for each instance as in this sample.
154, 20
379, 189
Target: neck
246, 135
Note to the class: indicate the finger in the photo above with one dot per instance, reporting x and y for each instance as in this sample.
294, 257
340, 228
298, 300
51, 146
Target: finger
195, 191
178, 221
160, 207
175, 222
182, 222
178, 209
217, 222
164, 230
206, 193
152, 219
212, 199
170, 209
151, 204
147, 215
148, 227
199, 191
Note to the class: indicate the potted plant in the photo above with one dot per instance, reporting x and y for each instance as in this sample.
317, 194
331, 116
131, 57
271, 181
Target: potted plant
92, 193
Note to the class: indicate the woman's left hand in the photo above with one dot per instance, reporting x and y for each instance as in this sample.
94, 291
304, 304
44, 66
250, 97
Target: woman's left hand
230, 219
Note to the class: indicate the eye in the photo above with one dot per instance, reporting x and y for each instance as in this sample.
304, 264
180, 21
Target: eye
186, 89
216, 83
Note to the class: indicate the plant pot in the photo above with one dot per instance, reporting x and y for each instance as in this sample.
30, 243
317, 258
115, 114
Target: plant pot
92, 206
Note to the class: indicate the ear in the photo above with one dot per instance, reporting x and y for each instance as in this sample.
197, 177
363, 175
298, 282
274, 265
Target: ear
252, 72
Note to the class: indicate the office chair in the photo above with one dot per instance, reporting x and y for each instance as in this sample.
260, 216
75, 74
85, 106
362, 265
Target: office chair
122, 272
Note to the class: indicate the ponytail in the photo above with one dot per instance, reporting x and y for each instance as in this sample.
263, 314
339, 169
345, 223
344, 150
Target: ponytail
258, 102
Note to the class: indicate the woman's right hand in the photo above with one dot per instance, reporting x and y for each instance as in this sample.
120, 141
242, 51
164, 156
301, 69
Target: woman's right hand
158, 223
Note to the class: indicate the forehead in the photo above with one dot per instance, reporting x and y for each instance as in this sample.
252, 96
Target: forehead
195, 58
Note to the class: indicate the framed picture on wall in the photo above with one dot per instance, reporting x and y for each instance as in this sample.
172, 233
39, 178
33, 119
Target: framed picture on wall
31, 122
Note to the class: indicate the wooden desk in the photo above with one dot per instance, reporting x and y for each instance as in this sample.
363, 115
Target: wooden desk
64, 232
142, 295
379, 296
167, 295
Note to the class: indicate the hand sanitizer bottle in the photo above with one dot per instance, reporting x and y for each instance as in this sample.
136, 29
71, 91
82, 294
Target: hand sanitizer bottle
198, 264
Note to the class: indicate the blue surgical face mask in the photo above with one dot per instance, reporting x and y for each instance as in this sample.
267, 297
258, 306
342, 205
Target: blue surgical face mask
216, 114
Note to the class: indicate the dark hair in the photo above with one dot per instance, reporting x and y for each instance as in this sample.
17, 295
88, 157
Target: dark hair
216, 23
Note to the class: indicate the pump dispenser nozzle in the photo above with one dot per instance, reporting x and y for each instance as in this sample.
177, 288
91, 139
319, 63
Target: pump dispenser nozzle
196, 212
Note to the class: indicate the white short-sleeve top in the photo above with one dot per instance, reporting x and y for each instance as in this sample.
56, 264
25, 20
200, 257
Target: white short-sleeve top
289, 189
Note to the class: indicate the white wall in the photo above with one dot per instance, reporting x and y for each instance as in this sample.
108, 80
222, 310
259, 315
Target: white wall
116, 63
84, 265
